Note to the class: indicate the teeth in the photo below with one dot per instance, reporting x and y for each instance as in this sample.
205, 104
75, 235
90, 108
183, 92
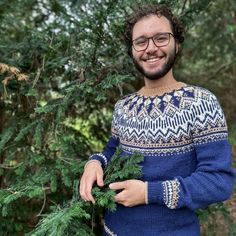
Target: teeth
153, 59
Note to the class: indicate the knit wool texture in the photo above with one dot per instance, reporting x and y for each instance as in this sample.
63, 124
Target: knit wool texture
183, 136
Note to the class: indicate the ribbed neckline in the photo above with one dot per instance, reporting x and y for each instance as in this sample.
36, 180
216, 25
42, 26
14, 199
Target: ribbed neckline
158, 91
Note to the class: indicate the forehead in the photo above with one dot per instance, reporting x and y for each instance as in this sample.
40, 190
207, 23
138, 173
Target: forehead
150, 25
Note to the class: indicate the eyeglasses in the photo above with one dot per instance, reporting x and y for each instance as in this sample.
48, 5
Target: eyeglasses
160, 40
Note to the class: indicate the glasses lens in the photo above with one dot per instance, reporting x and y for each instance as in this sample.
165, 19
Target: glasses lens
161, 39
140, 43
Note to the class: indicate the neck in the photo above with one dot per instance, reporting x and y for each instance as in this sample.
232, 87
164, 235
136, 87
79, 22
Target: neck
159, 87
165, 81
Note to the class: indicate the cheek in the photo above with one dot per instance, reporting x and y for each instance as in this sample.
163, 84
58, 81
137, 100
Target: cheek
133, 52
170, 50
136, 55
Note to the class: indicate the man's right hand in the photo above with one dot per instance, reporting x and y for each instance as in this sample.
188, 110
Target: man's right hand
93, 172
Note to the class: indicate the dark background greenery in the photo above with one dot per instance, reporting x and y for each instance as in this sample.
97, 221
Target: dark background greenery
77, 67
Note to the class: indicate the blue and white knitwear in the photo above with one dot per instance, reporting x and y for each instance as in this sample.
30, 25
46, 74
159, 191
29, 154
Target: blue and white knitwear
183, 136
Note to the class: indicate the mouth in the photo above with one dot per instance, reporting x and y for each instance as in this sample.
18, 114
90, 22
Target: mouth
153, 60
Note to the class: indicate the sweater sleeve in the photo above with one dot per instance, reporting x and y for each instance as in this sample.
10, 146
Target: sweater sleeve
110, 148
212, 181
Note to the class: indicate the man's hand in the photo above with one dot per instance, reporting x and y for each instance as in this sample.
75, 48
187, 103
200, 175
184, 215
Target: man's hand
132, 194
93, 172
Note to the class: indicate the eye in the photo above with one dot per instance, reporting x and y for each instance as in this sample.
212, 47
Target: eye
140, 41
160, 38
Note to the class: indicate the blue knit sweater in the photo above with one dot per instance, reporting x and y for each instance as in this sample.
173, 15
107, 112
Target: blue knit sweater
183, 137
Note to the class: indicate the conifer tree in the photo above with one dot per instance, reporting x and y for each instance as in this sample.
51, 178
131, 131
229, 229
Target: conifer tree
63, 66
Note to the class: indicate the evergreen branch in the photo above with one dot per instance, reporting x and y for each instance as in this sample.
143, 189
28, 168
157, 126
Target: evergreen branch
9, 167
25, 131
37, 139
39, 72
7, 196
56, 223
123, 167
47, 108
77, 211
44, 201
6, 136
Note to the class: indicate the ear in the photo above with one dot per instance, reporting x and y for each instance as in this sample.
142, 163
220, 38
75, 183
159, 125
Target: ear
177, 48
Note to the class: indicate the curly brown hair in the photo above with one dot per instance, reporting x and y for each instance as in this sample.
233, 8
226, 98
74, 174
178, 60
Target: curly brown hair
152, 9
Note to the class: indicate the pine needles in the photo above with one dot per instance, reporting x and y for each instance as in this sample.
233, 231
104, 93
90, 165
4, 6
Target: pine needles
73, 218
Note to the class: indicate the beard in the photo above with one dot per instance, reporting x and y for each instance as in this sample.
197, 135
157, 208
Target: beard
159, 73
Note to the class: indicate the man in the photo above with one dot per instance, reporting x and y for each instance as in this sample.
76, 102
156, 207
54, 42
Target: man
181, 131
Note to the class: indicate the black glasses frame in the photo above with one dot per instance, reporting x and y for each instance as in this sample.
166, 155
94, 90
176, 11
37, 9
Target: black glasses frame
148, 39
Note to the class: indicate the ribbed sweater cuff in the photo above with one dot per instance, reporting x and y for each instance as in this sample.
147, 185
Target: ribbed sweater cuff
155, 192
100, 157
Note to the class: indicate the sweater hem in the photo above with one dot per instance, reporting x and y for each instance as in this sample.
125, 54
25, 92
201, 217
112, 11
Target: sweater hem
108, 230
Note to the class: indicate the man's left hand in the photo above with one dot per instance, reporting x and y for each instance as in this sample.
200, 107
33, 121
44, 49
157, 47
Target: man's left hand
132, 194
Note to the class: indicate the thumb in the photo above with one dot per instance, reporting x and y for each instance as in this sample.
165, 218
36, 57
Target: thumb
100, 181
117, 185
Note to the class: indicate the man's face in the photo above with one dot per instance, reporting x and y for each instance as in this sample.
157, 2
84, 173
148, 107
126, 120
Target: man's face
154, 62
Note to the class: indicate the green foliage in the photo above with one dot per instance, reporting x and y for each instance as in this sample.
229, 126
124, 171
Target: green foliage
6, 136
76, 211
216, 218
59, 222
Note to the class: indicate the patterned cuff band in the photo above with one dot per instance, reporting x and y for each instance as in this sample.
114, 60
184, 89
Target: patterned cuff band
171, 193
101, 157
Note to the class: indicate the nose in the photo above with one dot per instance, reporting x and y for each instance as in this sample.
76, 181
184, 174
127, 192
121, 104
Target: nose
151, 46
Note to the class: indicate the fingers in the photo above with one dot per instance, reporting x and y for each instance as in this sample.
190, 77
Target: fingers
122, 198
133, 193
92, 173
88, 191
100, 181
118, 185
85, 189
119, 197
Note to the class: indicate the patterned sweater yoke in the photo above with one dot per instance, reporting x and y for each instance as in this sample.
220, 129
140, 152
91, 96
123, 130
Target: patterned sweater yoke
183, 136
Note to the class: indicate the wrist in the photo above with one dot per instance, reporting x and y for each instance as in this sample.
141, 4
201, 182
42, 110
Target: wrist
146, 192
100, 157
92, 161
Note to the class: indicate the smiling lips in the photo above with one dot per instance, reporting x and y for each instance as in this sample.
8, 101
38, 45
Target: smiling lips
153, 60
